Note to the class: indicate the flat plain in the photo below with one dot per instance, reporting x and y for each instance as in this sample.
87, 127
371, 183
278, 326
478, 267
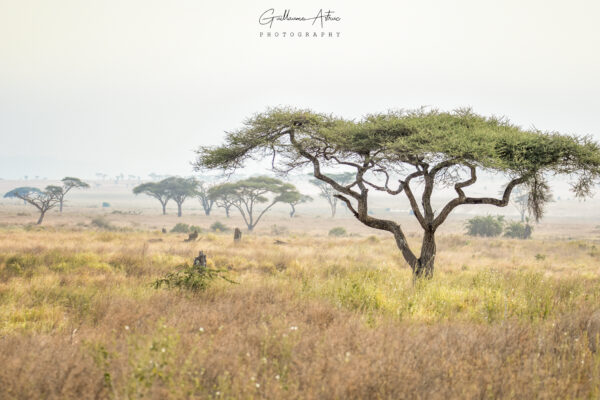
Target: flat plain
315, 317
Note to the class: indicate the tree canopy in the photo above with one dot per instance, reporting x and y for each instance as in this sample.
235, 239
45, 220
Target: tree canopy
389, 151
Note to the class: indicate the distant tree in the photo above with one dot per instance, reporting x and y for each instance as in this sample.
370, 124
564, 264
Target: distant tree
42, 200
293, 197
179, 189
206, 200
520, 200
328, 192
158, 190
224, 196
390, 152
68, 184
247, 194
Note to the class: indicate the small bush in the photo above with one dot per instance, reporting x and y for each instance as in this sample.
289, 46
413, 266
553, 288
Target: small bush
337, 231
487, 226
105, 204
518, 230
181, 228
102, 223
192, 278
219, 227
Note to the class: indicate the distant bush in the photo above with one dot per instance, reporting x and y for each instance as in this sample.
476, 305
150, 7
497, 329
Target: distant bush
487, 226
518, 230
185, 228
105, 204
219, 227
337, 231
102, 223
181, 228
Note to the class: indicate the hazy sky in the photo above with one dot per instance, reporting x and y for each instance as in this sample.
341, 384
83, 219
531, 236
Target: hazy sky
134, 86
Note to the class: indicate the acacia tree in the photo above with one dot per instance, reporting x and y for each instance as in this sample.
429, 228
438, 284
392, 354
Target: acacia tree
42, 200
68, 184
247, 194
328, 192
391, 152
223, 196
158, 190
179, 189
204, 196
293, 198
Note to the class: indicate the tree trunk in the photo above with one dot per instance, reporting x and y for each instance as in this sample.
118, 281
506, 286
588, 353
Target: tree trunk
164, 206
227, 211
61, 205
424, 265
41, 217
179, 209
292, 212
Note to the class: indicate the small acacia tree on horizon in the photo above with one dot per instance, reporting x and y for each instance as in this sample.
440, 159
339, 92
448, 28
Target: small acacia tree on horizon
42, 200
180, 189
69, 183
328, 192
247, 194
390, 152
293, 198
206, 200
223, 197
158, 190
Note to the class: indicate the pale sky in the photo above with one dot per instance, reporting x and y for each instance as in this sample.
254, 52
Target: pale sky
135, 86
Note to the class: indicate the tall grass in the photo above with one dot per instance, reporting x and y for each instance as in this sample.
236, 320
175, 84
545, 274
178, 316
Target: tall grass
327, 318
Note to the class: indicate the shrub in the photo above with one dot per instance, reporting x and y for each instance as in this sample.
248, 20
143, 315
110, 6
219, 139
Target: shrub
487, 226
102, 223
337, 231
105, 204
219, 227
181, 228
191, 277
518, 230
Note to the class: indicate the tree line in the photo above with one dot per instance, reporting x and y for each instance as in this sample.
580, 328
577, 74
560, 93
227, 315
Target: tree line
251, 197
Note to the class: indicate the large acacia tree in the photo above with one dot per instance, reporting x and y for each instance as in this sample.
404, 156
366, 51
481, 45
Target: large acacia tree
391, 152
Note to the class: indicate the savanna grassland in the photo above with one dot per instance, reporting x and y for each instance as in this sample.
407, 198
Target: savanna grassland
316, 317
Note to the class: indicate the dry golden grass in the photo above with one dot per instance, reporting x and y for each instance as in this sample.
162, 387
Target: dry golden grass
316, 318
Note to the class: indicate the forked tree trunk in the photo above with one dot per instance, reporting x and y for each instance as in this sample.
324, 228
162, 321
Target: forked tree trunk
423, 266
